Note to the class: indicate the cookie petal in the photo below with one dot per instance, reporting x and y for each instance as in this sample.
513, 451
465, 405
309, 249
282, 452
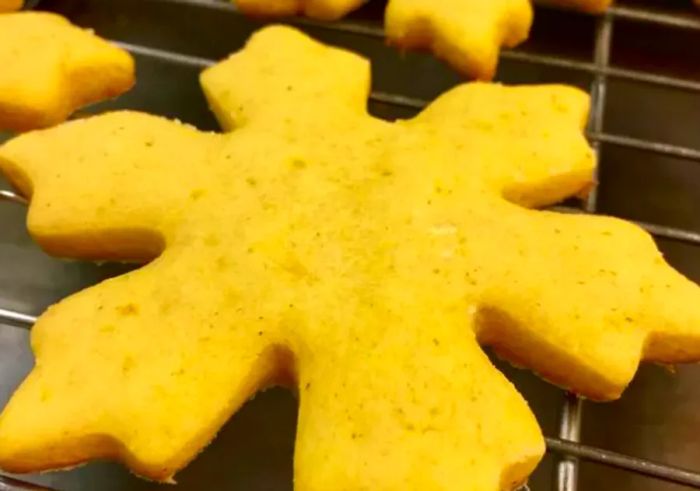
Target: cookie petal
53, 68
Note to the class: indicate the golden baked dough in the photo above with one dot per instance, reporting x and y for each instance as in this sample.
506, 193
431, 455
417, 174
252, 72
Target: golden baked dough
360, 261
10, 5
466, 33
319, 9
50, 68
591, 6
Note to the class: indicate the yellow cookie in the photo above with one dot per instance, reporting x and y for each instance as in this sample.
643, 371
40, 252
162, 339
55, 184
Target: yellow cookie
466, 33
319, 9
50, 68
359, 261
592, 6
10, 5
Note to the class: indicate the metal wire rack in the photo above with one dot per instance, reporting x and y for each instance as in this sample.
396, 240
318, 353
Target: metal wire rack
566, 443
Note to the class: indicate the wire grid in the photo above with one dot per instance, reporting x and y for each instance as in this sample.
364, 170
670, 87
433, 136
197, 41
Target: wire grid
567, 443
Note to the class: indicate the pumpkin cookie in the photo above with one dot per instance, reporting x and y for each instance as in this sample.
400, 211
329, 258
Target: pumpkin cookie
51, 68
363, 262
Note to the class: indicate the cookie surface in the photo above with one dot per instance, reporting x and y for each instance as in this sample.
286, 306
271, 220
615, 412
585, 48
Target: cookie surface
51, 68
361, 262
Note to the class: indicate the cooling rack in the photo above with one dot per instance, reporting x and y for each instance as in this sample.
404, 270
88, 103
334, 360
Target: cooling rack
565, 444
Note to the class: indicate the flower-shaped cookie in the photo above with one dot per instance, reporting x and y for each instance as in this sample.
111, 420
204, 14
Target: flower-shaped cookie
362, 262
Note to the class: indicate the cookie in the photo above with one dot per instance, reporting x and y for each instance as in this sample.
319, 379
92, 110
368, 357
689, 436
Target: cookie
51, 68
319, 9
591, 6
10, 5
363, 263
466, 33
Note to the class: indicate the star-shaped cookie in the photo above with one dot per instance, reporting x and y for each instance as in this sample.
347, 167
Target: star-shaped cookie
363, 263
50, 68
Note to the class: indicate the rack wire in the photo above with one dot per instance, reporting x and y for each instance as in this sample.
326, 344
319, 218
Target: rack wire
566, 444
